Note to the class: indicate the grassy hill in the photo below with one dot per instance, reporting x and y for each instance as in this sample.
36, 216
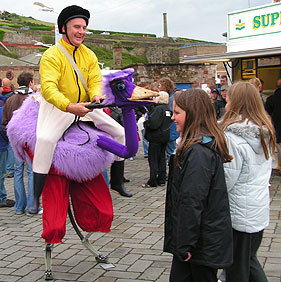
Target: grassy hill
11, 22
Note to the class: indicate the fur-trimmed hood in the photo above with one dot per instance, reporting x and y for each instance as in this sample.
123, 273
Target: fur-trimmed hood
250, 132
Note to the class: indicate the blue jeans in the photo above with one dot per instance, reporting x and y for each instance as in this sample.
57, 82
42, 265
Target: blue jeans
22, 201
3, 160
105, 176
145, 144
11, 160
171, 149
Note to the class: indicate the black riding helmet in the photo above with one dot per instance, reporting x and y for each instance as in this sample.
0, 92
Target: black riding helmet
72, 12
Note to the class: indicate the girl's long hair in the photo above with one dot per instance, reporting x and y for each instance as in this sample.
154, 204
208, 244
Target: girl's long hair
200, 121
246, 103
256, 82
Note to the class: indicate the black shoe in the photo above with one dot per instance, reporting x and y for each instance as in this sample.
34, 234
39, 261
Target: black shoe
9, 175
7, 203
126, 180
122, 191
117, 179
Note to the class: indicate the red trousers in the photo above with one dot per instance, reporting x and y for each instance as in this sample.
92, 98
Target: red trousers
91, 204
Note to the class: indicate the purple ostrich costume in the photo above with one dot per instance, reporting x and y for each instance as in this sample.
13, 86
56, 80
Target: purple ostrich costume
75, 163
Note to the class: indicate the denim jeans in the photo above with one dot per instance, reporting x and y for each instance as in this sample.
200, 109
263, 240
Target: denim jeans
145, 144
10, 160
3, 160
105, 176
171, 149
22, 201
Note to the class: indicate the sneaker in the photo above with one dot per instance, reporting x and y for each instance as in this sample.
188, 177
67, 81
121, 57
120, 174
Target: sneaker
9, 175
19, 213
40, 211
7, 204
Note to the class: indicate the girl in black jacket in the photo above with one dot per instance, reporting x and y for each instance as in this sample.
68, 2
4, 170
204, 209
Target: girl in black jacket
197, 219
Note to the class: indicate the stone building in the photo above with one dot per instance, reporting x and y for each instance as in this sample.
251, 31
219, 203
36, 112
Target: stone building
203, 49
185, 76
11, 68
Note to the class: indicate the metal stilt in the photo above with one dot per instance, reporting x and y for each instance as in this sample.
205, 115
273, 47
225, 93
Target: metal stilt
48, 262
84, 239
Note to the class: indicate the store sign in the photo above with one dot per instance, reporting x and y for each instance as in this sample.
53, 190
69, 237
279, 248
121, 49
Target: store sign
255, 21
248, 69
269, 61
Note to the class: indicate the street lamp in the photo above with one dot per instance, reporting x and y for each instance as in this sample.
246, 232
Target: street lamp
44, 7
49, 9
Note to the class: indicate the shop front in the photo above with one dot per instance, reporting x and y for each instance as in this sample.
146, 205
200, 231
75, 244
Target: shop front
253, 46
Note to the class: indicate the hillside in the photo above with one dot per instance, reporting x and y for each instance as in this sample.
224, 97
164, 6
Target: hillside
136, 47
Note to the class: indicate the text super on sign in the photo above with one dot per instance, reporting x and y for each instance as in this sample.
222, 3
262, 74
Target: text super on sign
255, 21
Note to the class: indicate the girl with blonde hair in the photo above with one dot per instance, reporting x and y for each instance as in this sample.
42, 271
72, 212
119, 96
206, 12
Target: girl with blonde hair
197, 217
256, 81
251, 142
259, 84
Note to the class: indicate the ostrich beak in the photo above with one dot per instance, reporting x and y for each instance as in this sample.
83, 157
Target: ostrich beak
144, 95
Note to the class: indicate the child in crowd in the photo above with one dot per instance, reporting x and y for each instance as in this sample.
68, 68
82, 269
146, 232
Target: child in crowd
197, 218
251, 142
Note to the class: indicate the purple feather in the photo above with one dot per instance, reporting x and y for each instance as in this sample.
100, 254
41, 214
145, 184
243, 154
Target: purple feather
125, 75
79, 163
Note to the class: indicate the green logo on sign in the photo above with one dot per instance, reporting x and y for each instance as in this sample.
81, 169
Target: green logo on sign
240, 25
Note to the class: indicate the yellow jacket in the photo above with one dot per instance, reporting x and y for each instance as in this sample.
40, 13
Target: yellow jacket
59, 84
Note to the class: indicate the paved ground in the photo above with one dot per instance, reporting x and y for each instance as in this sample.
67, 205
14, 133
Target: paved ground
134, 246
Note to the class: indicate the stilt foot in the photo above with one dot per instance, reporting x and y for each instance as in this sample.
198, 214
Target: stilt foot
101, 258
48, 275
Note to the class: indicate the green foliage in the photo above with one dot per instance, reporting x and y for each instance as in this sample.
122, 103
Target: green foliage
2, 33
35, 26
27, 20
128, 59
129, 48
106, 56
6, 30
48, 39
117, 44
45, 28
9, 54
10, 25
122, 33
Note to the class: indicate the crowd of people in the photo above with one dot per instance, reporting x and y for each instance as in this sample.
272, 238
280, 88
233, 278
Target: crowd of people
217, 201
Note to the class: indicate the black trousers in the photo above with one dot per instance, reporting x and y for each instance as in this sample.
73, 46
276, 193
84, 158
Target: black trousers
189, 272
157, 163
246, 267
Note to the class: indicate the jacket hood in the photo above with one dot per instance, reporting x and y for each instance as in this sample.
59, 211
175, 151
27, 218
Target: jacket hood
250, 132
24, 90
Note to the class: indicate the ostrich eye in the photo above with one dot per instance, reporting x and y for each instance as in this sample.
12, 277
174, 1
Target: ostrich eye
118, 84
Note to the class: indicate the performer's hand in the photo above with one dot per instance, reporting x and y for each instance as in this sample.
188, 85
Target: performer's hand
78, 109
188, 257
98, 99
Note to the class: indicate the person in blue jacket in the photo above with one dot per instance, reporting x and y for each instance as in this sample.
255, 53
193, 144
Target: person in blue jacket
167, 85
4, 143
6, 94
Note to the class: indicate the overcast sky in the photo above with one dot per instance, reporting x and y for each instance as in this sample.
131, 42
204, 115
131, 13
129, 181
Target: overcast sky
196, 19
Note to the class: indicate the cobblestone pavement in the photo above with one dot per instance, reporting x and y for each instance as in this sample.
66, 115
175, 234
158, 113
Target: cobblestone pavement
134, 246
